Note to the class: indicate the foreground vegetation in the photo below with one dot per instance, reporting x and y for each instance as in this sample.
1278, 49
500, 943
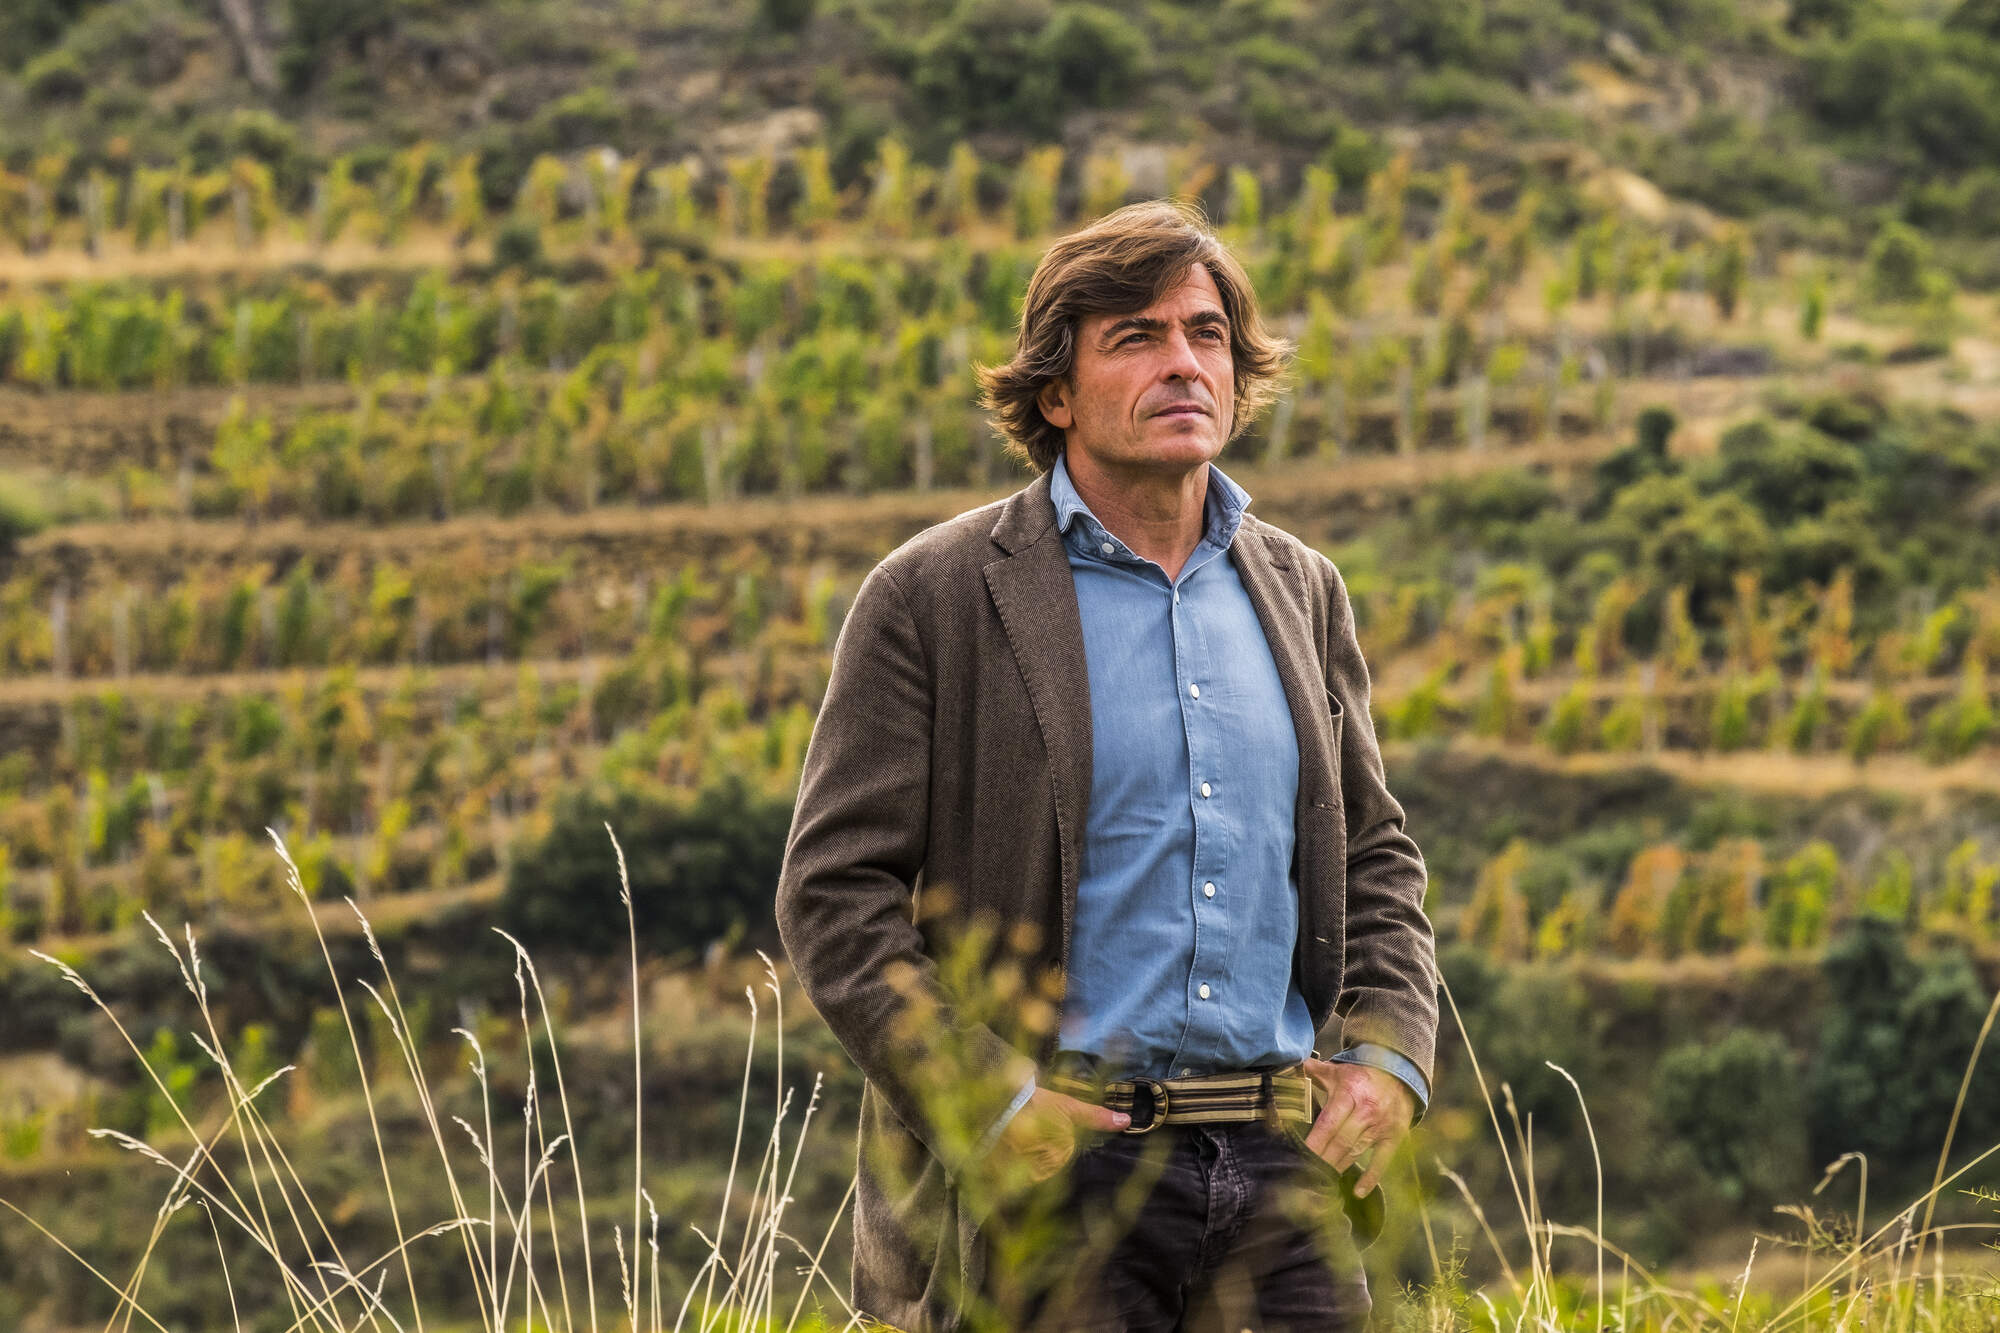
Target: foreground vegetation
457, 1208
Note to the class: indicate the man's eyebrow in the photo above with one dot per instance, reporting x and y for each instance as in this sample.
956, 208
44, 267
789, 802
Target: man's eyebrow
1148, 324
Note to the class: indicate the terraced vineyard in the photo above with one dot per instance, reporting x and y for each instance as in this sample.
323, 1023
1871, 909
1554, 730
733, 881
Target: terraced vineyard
433, 539
381, 555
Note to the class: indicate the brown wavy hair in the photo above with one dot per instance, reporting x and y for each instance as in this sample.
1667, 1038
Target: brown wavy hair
1123, 262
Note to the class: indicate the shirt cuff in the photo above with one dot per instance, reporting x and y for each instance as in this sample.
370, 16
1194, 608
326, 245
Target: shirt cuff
1372, 1053
992, 1135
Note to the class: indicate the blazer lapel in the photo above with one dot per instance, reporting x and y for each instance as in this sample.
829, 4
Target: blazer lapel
1318, 867
1035, 594
1288, 628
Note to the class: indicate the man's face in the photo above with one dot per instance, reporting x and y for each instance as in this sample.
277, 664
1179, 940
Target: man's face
1154, 388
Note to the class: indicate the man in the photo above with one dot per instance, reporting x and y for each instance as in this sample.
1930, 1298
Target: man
1122, 723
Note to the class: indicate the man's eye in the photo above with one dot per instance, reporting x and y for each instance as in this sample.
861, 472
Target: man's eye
1214, 333
1129, 337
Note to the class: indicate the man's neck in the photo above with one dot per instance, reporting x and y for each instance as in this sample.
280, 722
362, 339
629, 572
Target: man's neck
1160, 515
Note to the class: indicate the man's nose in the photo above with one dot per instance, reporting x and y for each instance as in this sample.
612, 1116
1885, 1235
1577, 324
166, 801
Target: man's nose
1182, 363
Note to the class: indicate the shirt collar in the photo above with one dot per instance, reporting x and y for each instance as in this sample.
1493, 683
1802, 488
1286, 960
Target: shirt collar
1222, 508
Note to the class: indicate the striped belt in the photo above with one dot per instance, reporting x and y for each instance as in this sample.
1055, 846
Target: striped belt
1274, 1096
1270, 1095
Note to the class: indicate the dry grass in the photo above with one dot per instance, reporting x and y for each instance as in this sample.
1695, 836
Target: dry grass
1778, 771
514, 1263
503, 1226
1871, 1280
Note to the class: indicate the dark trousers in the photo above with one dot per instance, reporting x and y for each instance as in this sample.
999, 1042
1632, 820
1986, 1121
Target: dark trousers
1187, 1229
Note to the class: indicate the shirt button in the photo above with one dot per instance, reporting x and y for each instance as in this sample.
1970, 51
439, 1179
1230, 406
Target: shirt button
1195, 690
1177, 598
1208, 889
1107, 548
1186, 1070
1204, 789
1204, 990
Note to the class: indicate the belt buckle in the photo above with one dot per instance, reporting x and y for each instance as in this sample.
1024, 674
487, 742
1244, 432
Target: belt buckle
1158, 1091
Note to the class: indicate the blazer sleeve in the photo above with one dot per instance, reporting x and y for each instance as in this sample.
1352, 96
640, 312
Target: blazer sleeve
1389, 983
846, 890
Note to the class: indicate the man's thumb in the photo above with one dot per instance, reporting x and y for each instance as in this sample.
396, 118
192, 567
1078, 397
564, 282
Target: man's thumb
1098, 1117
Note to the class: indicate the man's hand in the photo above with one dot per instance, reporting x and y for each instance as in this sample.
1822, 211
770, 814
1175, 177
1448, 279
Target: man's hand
1042, 1135
1366, 1108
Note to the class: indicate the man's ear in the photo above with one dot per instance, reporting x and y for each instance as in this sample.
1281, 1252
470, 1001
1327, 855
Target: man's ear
1054, 402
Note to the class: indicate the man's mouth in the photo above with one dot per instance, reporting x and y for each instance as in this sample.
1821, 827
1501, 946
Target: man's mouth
1182, 411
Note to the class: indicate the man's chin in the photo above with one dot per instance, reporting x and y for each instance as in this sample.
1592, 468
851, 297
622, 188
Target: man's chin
1189, 453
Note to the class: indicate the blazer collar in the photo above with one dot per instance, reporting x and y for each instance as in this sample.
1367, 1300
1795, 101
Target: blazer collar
1025, 516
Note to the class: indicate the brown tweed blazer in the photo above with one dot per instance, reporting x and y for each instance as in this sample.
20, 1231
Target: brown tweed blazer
953, 748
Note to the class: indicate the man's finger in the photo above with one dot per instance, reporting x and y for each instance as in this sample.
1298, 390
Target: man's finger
1377, 1164
1385, 1147
1088, 1116
1351, 1140
1332, 1118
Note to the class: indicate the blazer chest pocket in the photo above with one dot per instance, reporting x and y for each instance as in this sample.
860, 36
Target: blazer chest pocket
1336, 721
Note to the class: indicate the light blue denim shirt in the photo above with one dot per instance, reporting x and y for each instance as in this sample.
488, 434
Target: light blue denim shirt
1186, 913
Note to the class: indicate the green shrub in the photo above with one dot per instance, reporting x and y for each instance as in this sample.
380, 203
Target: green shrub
1796, 900
785, 15
981, 69
1808, 715
22, 513
256, 728
322, 29
1568, 724
1624, 726
1738, 1105
1897, 1037
700, 870
1094, 54
1433, 32
1416, 715
57, 76
1881, 722
995, 65
1898, 261
584, 118
29, 26
1730, 722
1956, 728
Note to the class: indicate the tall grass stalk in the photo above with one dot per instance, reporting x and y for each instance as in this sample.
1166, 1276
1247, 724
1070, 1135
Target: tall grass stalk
276, 1214
1900, 1240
